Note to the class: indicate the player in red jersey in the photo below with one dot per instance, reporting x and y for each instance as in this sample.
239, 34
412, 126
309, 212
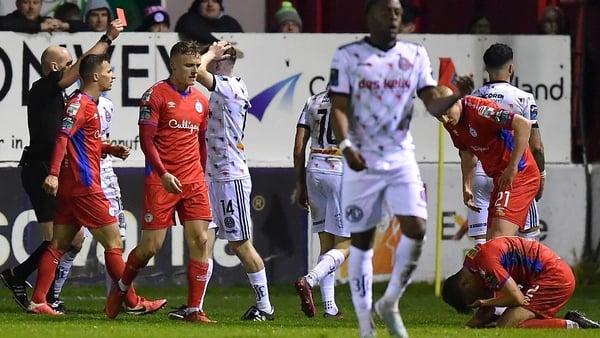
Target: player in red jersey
173, 121
80, 199
481, 129
534, 284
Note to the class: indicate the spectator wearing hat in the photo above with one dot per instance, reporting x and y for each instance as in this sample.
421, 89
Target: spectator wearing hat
204, 17
97, 14
287, 19
156, 19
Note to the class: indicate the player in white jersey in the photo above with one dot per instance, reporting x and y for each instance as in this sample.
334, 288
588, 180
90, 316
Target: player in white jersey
227, 171
498, 59
371, 86
318, 185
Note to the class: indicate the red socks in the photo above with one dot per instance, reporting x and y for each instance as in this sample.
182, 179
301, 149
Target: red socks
46, 272
197, 282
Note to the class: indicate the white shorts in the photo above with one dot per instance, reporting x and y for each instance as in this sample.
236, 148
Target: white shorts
110, 187
230, 202
482, 190
364, 192
324, 193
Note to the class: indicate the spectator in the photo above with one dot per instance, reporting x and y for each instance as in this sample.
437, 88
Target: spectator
156, 19
553, 21
97, 15
480, 24
409, 13
204, 17
27, 18
71, 14
287, 19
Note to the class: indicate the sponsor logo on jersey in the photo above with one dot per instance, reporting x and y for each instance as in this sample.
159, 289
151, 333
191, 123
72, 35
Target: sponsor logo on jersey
170, 104
479, 149
185, 124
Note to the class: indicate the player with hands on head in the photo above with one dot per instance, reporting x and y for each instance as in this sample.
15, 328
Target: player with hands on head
521, 274
227, 172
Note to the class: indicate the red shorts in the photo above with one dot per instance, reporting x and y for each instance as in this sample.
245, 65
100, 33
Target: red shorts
513, 205
92, 211
551, 291
160, 205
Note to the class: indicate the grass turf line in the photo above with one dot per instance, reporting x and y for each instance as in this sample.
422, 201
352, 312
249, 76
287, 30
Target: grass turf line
424, 315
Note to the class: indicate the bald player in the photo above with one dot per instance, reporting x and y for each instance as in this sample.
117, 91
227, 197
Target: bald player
47, 99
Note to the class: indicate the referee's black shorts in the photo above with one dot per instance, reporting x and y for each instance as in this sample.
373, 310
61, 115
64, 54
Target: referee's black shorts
32, 178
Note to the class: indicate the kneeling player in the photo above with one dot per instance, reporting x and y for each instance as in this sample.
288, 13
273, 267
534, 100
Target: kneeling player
523, 275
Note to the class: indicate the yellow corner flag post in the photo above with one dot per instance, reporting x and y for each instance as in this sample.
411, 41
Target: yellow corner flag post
439, 208
447, 77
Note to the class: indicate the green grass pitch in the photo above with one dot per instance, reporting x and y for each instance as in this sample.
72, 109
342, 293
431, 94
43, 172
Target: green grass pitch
424, 315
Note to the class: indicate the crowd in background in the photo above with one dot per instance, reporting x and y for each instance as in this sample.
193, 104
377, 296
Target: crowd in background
205, 17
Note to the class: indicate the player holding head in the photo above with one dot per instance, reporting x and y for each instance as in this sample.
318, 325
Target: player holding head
371, 86
318, 184
227, 172
172, 122
533, 283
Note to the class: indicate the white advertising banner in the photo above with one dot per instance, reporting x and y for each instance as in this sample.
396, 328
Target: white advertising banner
562, 231
281, 71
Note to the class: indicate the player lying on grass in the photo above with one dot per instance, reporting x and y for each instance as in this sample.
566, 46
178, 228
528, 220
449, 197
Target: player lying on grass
523, 275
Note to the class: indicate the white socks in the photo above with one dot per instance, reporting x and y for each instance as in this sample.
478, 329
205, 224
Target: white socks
360, 275
62, 271
407, 255
258, 280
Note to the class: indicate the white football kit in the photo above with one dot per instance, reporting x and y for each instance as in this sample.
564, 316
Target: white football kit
323, 168
381, 86
521, 102
227, 173
108, 178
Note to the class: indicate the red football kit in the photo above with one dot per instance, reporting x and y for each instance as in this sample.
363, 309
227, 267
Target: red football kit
485, 129
172, 128
78, 147
547, 281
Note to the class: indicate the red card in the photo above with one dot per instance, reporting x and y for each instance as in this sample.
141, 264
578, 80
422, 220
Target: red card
121, 16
